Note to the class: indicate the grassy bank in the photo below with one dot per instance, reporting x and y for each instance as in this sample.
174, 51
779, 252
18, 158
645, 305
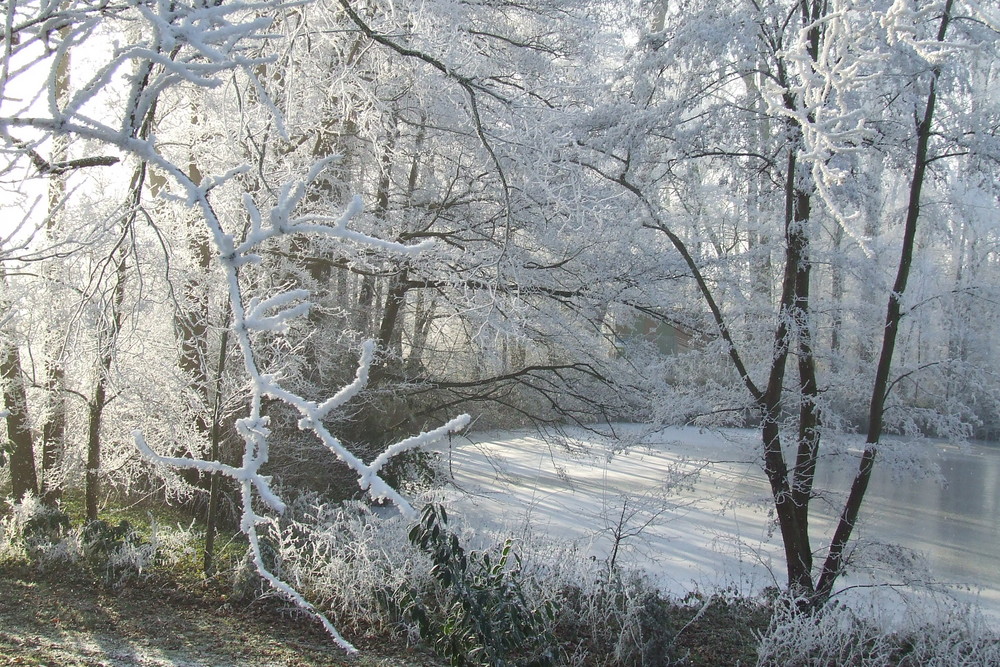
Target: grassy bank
400, 591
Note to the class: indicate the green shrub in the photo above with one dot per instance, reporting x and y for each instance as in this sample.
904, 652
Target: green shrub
487, 618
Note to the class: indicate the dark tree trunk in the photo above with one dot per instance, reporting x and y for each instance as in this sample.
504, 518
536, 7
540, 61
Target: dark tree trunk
388, 327
834, 564
804, 472
791, 497
92, 483
215, 486
20, 448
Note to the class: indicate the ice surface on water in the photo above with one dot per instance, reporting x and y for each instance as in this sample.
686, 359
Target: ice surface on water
714, 528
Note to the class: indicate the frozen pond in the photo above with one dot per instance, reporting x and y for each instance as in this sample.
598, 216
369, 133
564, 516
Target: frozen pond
713, 527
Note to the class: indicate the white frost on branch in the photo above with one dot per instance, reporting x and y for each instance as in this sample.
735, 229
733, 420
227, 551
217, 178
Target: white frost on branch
202, 44
827, 82
905, 22
253, 315
990, 18
258, 320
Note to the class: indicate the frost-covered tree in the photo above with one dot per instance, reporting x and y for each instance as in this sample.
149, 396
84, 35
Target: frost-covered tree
797, 158
143, 56
447, 118
741, 212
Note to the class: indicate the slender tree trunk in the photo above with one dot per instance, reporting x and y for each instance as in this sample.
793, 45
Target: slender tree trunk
194, 333
395, 295
791, 498
54, 427
395, 298
365, 305
191, 318
423, 319
215, 487
837, 295
834, 564
108, 339
804, 472
92, 483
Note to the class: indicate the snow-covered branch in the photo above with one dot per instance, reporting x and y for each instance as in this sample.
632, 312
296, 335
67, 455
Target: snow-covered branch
199, 44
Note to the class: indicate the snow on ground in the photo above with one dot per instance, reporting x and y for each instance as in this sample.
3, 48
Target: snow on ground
692, 508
